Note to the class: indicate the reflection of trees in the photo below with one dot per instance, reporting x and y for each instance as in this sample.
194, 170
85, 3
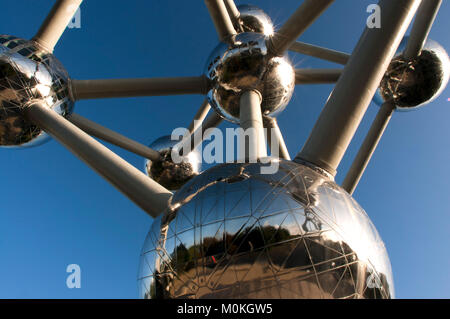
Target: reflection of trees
333, 261
169, 173
410, 83
16, 89
243, 68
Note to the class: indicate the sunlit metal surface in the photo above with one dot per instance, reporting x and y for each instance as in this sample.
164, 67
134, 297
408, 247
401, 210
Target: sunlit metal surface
28, 74
410, 84
167, 173
233, 232
246, 65
253, 19
237, 233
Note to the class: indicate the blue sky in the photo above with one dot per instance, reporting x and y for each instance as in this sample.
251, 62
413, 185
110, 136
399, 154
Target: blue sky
56, 211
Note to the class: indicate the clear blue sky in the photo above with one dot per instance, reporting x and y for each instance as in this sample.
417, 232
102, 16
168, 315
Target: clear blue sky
56, 211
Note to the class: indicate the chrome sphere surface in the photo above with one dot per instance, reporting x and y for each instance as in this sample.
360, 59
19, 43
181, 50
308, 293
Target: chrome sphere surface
245, 65
411, 84
169, 174
253, 19
28, 74
233, 232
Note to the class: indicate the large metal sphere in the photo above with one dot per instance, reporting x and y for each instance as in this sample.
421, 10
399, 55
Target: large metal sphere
410, 84
236, 233
28, 74
245, 65
253, 19
169, 174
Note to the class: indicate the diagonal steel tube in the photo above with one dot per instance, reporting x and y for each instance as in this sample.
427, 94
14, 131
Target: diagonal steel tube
142, 190
104, 133
358, 83
233, 12
274, 133
199, 116
190, 142
222, 22
302, 18
317, 76
56, 22
320, 53
115, 88
426, 14
368, 147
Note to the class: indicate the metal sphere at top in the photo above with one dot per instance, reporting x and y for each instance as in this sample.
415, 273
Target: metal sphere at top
253, 19
28, 74
246, 64
167, 173
233, 232
410, 84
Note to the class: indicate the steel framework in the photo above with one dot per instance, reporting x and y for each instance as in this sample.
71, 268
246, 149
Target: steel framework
363, 70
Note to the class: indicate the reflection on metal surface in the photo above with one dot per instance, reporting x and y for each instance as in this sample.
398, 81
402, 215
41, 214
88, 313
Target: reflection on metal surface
414, 83
28, 74
253, 19
167, 173
235, 233
246, 65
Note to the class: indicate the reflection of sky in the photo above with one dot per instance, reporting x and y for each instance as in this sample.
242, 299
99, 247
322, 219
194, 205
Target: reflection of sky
56, 211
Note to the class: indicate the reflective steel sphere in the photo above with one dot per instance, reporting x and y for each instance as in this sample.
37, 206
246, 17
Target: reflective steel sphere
253, 19
233, 232
245, 65
28, 74
411, 84
169, 174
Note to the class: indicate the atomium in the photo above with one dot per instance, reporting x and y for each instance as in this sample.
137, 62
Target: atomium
168, 173
28, 74
246, 64
413, 83
233, 232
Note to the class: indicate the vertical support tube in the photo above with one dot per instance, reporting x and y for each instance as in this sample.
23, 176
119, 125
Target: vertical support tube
426, 14
356, 87
56, 22
252, 124
368, 147
142, 190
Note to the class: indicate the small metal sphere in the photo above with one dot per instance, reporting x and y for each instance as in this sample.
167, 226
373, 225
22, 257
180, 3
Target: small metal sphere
410, 84
236, 233
28, 74
246, 65
253, 19
167, 173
